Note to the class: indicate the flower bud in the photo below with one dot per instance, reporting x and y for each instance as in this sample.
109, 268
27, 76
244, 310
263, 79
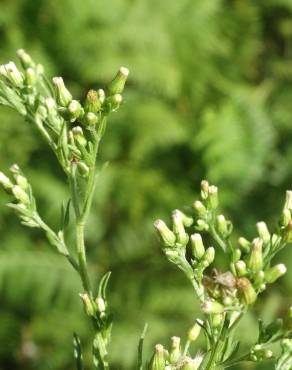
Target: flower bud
30, 77
217, 319
114, 102
285, 217
101, 95
175, 352
213, 197
197, 246
83, 169
118, 83
236, 254
20, 194
247, 290
179, 229
204, 189
50, 104
212, 307
194, 332
158, 360
288, 200
5, 181
190, 363
92, 102
88, 304
209, 256
100, 304
64, 96
222, 225
202, 225
74, 109
255, 262
275, 272
244, 244
25, 59
11, 73
240, 268
166, 235
200, 208
78, 135
91, 119
186, 220
21, 181
263, 232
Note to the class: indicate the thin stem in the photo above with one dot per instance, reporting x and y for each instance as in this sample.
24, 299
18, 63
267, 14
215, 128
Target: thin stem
82, 257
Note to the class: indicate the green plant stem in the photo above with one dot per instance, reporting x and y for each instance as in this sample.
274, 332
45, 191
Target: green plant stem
83, 271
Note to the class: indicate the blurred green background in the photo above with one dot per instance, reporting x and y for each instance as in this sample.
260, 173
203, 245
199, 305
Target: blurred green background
209, 96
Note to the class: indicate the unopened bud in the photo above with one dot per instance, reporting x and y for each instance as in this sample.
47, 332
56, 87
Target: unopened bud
21, 181
91, 119
178, 228
236, 254
244, 244
197, 246
88, 304
275, 272
263, 232
209, 256
204, 189
118, 83
100, 304
30, 77
83, 169
175, 352
92, 102
101, 95
247, 290
114, 102
213, 197
285, 217
11, 73
78, 135
200, 208
64, 96
212, 307
5, 181
288, 200
74, 109
241, 268
20, 194
255, 262
194, 332
222, 225
202, 225
25, 59
158, 360
166, 235
189, 363
186, 220
50, 104
217, 319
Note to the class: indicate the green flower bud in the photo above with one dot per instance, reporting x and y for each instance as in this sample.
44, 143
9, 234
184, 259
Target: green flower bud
209, 256
88, 304
100, 304
288, 200
263, 232
245, 287
21, 181
236, 254
64, 96
178, 228
114, 102
275, 272
51, 107
244, 244
92, 102
15, 169
194, 332
158, 360
202, 225
204, 189
241, 268
222, 225
197, 246
200, 209
166, 235
175, 352
101, 95
212, 307
255, 262
186, 220
191, 364
213, 197
83, 169
78, 135
91, 119
74, 109
25, 59
5, 181
217, 319
20, 194
118, 83
12, 74
285, 217
30, 77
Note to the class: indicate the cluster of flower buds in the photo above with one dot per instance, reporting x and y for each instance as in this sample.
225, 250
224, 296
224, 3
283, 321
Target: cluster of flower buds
176, 357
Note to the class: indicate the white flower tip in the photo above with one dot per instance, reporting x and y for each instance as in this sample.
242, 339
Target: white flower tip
124, 71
